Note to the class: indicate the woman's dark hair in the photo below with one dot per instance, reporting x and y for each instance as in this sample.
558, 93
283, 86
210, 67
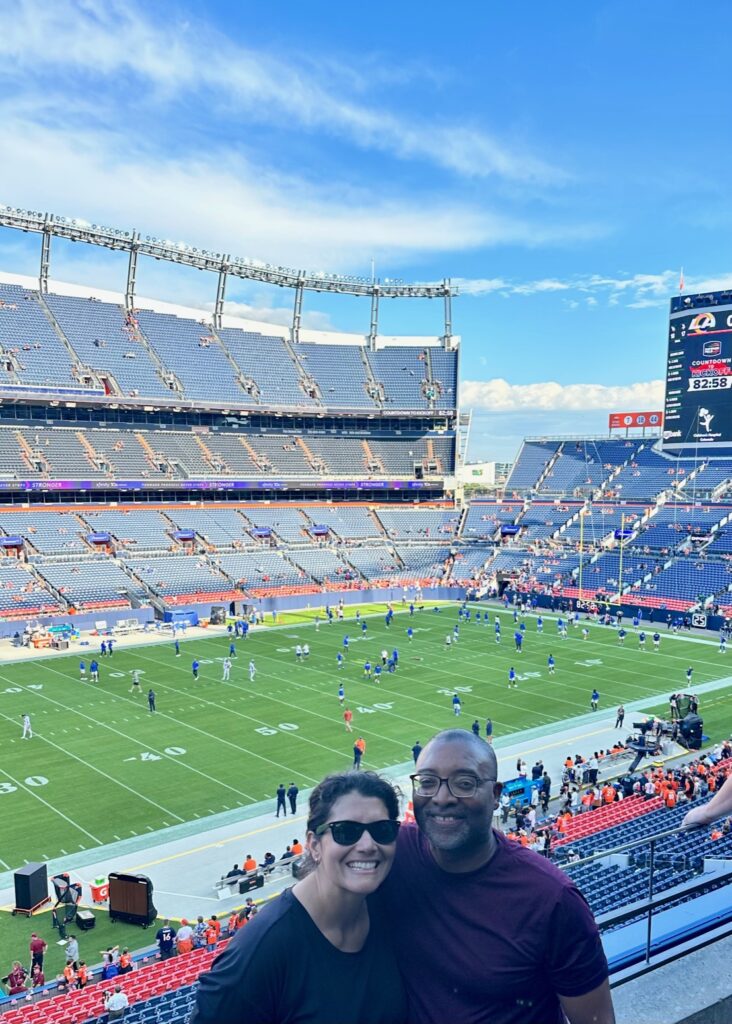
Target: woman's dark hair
333, 787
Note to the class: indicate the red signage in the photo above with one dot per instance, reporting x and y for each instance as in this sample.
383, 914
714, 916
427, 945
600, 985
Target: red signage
618, 420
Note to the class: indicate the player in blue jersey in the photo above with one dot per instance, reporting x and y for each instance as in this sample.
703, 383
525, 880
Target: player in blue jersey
103, 649
346, 641
621, 636
94, 670
550, 664
456, 705
341, 694
518, 638
82, 670
689, 674
635, 622
367, 669
512, 681
194, 668
177, 648
395, 657
456, 632
232, 649
410, 633
595, 700
642, 640
339, 660
560, 625
656, 641
377, 673
411, 609
540, 625
515, 615
498, 631
722, 643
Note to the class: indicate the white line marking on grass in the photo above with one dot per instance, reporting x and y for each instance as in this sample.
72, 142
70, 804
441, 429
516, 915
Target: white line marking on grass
100, 771
7, 866
105, 725
45, 803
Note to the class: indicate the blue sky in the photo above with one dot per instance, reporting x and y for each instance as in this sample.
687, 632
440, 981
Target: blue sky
561, 163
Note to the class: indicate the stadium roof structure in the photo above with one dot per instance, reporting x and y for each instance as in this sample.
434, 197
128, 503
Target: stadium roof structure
76, 230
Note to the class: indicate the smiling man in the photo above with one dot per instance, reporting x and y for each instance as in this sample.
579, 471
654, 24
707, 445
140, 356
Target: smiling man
487, 930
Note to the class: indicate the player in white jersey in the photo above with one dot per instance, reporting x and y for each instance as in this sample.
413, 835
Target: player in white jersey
226, 666
27, 728
252, 671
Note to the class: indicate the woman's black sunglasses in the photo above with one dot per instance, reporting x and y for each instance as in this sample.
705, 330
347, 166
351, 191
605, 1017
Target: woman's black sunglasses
347, 833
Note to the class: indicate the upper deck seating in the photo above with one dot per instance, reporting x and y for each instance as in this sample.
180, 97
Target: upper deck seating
104, 338
264, 359
532, 460
340, 374
32, 348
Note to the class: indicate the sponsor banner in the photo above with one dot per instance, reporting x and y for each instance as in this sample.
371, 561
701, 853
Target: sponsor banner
618, 420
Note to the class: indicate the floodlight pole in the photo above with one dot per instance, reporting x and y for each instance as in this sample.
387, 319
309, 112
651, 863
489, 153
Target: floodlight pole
447, 292
220, 294
131, 274
297, 311
374, 329
45, 257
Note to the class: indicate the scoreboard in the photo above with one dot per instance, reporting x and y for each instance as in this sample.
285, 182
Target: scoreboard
699, 373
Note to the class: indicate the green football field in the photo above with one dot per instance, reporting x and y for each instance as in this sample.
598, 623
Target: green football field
101, 768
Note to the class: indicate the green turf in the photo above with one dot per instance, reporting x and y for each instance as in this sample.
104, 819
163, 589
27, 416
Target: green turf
15, 935
101, 768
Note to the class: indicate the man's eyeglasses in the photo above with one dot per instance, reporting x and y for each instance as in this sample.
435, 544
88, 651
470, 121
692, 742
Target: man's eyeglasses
348, 833
462, 785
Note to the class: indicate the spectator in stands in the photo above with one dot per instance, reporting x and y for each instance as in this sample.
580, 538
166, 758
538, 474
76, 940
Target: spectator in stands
719, 805
115, 1003
16, 980
290, 960
38, 978
165, 939
184, 938
455, 867
199, 933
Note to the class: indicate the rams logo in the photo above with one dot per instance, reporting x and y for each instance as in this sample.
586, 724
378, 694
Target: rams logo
703, 322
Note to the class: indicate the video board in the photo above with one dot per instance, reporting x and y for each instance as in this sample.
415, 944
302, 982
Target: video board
699, 375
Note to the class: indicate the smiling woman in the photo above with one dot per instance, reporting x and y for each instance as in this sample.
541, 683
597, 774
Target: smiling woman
320, 952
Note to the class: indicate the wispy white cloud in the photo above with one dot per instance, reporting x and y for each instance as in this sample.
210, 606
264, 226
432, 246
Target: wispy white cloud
118, 38
221, 200
313, 319
498, 396
635, 291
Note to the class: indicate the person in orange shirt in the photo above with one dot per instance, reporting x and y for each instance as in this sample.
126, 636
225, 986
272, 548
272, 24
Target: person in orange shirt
69, 977
233, 923
125, 961
296, 847
211, 937
670, 797
348, 719
608, 794
214, 923
82, 975
250, 863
